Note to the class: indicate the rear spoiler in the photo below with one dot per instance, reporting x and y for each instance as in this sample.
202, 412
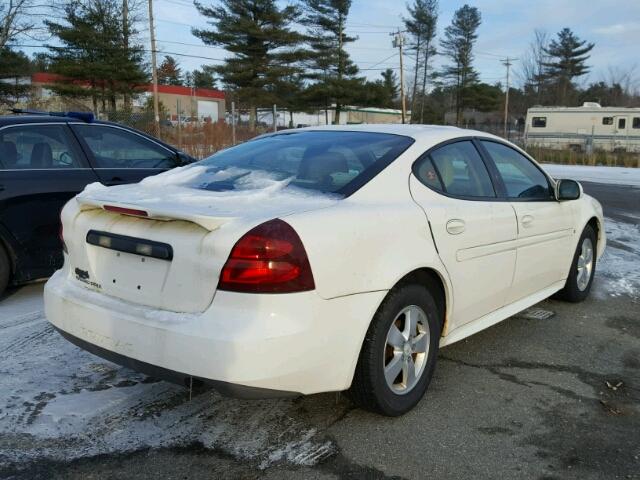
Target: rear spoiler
162, 213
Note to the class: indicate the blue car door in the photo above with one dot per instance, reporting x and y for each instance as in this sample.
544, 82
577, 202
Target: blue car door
41, 168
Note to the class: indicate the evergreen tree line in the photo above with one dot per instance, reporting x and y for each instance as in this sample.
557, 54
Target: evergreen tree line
295, 56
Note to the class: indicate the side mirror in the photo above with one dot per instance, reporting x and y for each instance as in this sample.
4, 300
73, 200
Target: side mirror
568, 190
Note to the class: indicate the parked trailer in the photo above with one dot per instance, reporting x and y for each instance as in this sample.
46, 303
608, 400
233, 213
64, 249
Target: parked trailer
586, 128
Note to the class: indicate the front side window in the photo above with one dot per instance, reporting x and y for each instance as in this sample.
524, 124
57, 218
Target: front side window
461, 171
117, 148
331, 162
539, 122
522, 179
607, 120
37, 147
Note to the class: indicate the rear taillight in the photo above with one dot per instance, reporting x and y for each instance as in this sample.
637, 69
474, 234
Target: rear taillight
270, 258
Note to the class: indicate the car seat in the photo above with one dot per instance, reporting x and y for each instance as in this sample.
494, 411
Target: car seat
41, 156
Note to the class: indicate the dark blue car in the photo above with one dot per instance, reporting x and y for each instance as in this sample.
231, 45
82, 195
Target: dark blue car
47, 159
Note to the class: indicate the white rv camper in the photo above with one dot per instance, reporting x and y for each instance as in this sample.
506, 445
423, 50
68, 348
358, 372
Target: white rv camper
586, 128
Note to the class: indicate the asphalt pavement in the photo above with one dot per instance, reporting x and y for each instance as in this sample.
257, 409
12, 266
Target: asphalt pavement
550, 394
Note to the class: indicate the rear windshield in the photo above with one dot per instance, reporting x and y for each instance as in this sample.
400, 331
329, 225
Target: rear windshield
333, 162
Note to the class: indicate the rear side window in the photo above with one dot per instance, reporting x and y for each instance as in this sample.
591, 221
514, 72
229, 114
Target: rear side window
522, 179
427, 174
37, 147
539, 122
118, 148
461, 171
327, 161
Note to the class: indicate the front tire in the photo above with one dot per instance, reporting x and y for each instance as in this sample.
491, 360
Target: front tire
399, 352
583, 268
5, 270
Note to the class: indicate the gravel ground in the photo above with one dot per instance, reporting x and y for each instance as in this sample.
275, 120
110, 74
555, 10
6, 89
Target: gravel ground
536, 396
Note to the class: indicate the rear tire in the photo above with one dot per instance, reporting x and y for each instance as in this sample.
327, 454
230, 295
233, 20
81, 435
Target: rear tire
399, 352
583, 268
5, 270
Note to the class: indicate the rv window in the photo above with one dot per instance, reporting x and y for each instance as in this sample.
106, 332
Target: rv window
539, 122
636, 122
622, 123
607, 120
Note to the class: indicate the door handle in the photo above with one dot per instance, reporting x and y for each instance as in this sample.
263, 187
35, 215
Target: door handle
455, 226
527, 220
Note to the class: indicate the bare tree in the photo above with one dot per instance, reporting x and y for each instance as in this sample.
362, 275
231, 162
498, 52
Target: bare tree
626, 77
22, 18
532, 69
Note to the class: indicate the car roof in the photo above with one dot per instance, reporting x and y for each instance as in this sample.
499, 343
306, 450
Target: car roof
416, 131
19, 119
26, 119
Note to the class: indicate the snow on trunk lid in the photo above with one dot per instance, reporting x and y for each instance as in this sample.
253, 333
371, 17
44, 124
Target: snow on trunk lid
200, 225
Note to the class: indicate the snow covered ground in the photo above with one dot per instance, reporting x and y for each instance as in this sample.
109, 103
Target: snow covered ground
59, 402
611, 175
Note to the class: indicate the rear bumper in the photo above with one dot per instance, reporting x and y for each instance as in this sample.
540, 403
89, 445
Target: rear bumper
179, 378
244, 345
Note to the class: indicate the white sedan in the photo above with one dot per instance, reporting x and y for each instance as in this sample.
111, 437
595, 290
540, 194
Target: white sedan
321, 259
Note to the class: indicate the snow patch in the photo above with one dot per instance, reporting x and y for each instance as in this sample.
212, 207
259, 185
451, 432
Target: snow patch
188, 190
611, 175
619, 267
69, 404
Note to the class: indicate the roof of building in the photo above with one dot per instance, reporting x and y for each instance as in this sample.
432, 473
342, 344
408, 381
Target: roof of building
51, 78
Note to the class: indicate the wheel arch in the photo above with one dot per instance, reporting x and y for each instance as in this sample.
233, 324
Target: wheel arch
594, 222
597, 225
435, 282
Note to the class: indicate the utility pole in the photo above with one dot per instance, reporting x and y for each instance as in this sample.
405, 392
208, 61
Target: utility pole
507, 62
398, 41
154, 70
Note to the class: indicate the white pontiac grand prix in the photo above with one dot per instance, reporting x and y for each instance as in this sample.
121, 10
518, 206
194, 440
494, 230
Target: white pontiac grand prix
320, 259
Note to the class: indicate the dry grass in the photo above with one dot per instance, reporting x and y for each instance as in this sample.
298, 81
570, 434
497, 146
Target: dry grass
201, 140
568, 157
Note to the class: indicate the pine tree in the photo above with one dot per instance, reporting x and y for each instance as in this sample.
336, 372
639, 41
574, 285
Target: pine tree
264, 46
334, 74
457, 44
391, 87
421, 26
169, 73
14, 66
568, 56
93, 61
203, 78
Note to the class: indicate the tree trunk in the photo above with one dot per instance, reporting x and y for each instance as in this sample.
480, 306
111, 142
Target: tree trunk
336, 119
253, 115
423, 91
